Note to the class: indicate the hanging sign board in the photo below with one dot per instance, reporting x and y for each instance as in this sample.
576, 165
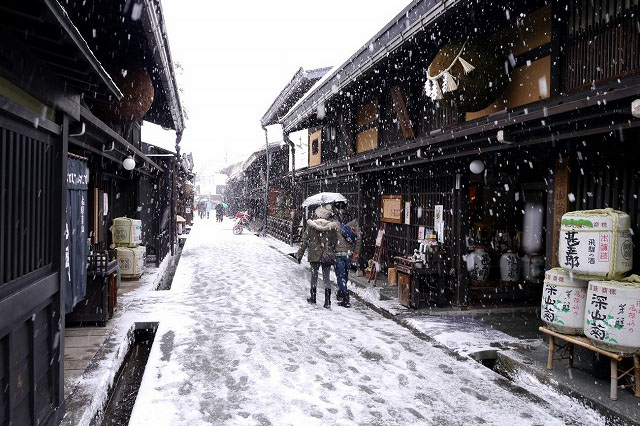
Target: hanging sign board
379, 237
407, 213
420, 233
392, 208
438, 222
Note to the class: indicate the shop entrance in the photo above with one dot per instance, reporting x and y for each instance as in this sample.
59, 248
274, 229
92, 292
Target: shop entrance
507, 222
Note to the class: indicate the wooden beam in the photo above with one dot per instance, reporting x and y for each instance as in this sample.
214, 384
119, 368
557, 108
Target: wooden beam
96, 122
560, 204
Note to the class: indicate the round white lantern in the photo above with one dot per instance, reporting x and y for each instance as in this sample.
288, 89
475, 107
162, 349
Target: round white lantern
476, 167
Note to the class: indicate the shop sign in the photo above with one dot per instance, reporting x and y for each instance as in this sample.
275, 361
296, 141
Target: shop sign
407, 213
438, 222
392, 208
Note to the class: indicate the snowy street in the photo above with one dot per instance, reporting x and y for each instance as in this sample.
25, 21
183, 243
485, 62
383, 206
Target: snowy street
237, 343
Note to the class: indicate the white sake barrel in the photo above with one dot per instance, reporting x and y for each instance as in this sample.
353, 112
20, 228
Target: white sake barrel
131, 261
596, 243
612, 315
563, 301
126, 232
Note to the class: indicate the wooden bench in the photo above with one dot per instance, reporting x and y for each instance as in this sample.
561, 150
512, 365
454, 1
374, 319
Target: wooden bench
566, 352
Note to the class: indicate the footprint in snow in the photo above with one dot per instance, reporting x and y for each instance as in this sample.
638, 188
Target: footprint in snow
473, 393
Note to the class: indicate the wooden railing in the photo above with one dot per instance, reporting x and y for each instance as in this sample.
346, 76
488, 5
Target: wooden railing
283, 229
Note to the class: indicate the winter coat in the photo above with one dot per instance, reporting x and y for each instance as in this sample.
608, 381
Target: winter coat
342, 246
319, 236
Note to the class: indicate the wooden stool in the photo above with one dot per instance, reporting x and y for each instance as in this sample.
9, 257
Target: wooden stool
616, 374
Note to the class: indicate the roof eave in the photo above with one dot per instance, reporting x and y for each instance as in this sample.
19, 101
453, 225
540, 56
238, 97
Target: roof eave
162, 55
65, 22
297, 82
413, 19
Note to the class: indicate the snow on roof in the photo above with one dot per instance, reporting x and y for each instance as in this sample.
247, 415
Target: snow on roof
292, 92
413, 19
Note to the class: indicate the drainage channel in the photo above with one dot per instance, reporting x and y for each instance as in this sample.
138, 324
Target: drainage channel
507, 369
124, 391
167, 279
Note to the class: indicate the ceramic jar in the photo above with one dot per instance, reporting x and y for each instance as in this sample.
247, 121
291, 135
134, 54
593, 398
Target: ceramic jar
478, 263
509, 267
532, 268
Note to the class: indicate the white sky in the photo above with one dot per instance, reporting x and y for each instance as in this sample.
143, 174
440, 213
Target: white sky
238, 56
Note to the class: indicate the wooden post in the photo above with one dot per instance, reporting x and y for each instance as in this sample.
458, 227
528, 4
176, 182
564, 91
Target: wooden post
551, 351
460, 232
560, 203
614, 380
60, 209
636, 373
570, 347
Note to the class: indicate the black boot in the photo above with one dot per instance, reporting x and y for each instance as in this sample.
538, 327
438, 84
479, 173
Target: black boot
312, 299
327, 298
345, 300
339, 295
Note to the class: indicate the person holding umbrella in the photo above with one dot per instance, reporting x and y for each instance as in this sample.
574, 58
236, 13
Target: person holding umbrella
348, 245
319, 238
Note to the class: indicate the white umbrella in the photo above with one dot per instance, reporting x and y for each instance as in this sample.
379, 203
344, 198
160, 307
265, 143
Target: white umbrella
324, 198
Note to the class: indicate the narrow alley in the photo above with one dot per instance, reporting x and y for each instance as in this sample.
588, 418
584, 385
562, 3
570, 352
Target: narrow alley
237, 343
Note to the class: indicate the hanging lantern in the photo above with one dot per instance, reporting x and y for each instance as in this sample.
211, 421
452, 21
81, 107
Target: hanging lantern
470, 73
476, 167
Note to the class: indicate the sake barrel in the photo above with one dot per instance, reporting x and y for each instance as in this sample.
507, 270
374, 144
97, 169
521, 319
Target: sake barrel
563, 301
126, 232
612, 315
131, 261
596, 243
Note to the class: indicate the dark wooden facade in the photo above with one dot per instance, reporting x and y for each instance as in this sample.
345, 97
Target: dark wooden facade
587, 52
47, 72
246, 190
31, 301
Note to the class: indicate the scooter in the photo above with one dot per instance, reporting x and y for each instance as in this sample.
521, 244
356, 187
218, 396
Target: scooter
242, 220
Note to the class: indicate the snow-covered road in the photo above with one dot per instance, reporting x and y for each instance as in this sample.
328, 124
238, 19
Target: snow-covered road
238, 344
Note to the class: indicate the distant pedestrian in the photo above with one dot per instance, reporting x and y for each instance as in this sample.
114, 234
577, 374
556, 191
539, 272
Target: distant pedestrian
202, 207
219, 212
320, 238
208, 208
348, 245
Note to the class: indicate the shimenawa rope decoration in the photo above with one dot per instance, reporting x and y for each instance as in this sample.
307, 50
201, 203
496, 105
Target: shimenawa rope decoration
432, 87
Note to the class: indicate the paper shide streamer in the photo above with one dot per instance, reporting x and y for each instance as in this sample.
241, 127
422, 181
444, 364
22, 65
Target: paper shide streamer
444, 82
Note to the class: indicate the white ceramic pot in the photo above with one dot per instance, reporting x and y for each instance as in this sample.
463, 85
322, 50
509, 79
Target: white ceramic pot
478, 265
532, 268
509, 267
537, 268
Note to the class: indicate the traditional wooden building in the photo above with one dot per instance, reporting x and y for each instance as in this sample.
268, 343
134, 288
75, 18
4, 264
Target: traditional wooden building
461, 117
283, 217
247, 188
64, 99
